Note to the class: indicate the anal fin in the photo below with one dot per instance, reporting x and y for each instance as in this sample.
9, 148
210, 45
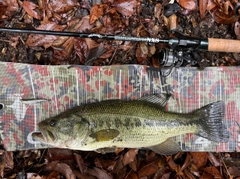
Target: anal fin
168, 147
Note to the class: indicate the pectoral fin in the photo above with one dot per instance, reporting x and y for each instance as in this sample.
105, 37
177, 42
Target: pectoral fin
168, 147
105, 135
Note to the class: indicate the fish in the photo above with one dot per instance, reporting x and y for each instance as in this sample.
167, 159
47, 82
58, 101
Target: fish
141, 123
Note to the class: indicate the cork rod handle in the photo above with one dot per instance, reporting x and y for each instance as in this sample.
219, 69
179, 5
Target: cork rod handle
223, 45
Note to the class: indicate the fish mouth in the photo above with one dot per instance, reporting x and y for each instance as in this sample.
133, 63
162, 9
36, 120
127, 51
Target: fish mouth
44, 136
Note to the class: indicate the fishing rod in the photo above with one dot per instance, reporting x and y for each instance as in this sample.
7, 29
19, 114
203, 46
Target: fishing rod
179, 51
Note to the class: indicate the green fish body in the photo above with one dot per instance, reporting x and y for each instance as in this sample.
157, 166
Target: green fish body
141, 123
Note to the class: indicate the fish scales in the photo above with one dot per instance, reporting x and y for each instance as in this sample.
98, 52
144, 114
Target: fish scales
128, 124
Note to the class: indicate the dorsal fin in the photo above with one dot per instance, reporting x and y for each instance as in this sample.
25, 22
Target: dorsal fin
160, 99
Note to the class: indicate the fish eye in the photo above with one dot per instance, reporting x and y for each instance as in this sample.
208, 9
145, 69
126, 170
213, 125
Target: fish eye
52, 123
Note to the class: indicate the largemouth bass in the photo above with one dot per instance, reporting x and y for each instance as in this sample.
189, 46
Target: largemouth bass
141, 123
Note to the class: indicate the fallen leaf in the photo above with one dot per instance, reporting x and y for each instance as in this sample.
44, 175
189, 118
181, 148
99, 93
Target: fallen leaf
8, 159
148, 169
34, 176
97, 11
106, 164
80, 163
158, 11
173, 22
3, 10
222, 18
99, 173
12, 6
234, 171
62, 168
187, 4
173, 165
81, 49
94, 53
194, 170
187, 162
64, 51
14, 41
213, 171
30, 7
227, 7
131, 175
62, 6
126, 7
81, 176
113, 22
129, 156
215, 162
188, 174
199, 159
211, 5
44, 40
202, 7
206, 176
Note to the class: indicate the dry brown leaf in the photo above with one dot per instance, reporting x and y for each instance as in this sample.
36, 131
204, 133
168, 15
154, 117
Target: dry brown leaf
81, 176
3, 10
206, 176
173, 165
62, 6
188, 174
133, 165
65, 50
234, 171
97, 11
35, 176
215, 162
202, 7
113, 22
213, 171
222, 18
8, 158
12, 6
14, 41
126, 7
44, 40
30, 7
173, 22
187, 162
81, 49
80, 163
187, 4
131, 175
211, 5
227, 7
199, 159
62, 168
54, 174
106, 164
148, 169
129, 156
97, 172
158, 11
194, 170
155, 63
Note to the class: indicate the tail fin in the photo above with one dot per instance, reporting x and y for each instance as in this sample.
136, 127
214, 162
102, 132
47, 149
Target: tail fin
212, 122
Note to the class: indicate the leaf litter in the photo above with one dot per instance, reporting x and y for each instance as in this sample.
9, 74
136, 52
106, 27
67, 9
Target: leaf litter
146, 18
